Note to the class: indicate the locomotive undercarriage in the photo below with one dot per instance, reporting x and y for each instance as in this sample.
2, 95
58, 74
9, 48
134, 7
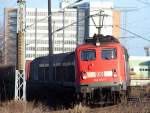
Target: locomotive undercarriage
101, 95
86, 95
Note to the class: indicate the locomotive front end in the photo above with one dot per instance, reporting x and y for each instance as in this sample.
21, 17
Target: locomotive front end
101, 70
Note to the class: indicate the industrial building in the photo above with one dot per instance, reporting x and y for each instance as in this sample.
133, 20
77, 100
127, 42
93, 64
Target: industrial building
139, 70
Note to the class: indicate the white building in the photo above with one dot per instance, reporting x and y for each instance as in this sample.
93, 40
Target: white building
10, 29
65, 32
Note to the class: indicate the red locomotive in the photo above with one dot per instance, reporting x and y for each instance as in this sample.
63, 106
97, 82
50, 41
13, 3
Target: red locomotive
97, 71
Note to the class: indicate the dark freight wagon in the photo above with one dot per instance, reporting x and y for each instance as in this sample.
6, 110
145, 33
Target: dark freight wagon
7, 82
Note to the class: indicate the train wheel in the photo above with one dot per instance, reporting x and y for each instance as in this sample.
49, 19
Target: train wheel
123, 97
84, 98
77, 98
116, 97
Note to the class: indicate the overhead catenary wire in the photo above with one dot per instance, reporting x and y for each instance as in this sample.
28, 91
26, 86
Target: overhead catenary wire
89, 16
60, 11
53, 12
135, 34
97, 14
122, 9
144, 2
46, 17
43, 19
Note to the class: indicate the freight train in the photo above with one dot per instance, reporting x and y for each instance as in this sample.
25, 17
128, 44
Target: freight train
97, 72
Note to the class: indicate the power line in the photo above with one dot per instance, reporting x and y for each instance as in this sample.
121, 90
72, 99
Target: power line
75, 22
124, 10
137, 35
89, 16
144, 2
44, 18
62, 10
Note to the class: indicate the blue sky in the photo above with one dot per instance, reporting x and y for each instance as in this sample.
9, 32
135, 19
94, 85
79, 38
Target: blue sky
138, 21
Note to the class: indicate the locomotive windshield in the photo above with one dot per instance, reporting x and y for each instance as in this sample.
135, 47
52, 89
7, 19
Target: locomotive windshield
88, 55
109, 54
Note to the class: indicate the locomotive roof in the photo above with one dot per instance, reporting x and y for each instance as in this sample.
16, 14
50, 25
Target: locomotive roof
92, 45
102, 39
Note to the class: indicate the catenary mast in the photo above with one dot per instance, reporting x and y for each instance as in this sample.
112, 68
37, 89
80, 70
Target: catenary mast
20, 82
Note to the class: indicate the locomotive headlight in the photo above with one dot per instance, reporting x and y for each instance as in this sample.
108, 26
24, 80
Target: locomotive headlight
98, 44
84, 75
114, 72
115, 75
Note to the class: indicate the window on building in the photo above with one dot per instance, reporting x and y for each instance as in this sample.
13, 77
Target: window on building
132, 69
146, 69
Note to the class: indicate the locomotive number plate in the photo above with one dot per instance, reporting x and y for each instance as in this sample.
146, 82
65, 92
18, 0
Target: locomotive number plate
99, 74
108, 73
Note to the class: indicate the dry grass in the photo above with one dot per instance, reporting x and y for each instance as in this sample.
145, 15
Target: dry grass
27, 107
22, 107
32, 107
125, 108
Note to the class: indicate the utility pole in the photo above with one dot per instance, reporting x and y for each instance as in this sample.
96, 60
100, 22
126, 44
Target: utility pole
35, 32
63, 31
50, 27
50, 40
20, 82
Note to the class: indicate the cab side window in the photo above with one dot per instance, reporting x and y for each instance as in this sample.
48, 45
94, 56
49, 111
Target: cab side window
88, 55
108, 54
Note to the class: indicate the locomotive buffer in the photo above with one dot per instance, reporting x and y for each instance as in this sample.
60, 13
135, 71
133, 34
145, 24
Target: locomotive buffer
20, 83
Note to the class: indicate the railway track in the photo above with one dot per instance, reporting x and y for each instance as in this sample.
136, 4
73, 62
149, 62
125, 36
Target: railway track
138, 99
